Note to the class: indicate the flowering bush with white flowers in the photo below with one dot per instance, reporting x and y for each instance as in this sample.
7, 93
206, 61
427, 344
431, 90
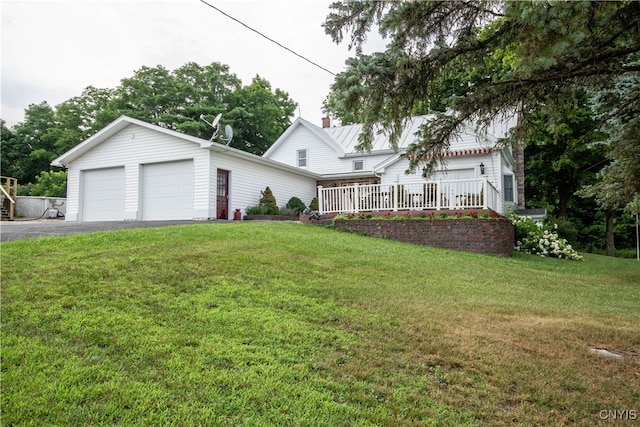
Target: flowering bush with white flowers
539, 239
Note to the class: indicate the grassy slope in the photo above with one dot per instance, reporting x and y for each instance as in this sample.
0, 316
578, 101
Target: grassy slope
272, 323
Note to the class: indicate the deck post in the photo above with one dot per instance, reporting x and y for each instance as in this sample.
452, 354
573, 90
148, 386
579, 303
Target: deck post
485, 193
320, 204
395, 196
356, 196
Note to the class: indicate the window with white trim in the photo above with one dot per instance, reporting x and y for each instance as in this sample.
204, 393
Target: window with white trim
507, 186
358, 165
302, 158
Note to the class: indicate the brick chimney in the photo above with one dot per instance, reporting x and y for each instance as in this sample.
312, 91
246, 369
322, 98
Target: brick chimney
326, 122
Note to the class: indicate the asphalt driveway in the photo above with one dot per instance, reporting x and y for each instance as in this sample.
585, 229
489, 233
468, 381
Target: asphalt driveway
25, 229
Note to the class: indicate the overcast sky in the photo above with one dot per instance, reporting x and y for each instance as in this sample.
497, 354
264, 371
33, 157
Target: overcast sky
53, 49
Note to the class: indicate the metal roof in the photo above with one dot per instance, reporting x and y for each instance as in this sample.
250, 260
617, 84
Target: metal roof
347, 136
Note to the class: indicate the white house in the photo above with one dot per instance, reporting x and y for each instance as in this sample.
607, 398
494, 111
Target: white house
132, 170
478, 173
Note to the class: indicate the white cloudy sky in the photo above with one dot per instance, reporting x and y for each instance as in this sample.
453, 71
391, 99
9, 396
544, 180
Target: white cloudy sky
53, 49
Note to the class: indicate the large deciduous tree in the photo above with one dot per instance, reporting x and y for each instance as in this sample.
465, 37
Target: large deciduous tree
175, 99
259, 115
171, 99
30, 146
521, 57
79, 117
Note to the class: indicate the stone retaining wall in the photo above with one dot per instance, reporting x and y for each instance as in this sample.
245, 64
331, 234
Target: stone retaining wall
270, 218
480, 235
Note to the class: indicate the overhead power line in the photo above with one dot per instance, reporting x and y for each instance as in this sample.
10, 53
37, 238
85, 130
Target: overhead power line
266, 37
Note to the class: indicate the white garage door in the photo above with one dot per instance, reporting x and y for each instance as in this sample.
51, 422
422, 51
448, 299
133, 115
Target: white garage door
103, 194
167, 190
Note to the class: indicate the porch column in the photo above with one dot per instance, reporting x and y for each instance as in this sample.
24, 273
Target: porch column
356, 196
395, 196
320, 203
485, 194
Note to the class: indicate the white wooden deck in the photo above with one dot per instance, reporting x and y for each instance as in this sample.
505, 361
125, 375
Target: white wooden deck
429, 195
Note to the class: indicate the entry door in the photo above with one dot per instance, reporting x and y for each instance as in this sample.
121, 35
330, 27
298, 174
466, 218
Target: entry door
222, 204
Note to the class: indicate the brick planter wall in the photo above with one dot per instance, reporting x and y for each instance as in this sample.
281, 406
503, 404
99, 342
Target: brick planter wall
488, 236
270, 218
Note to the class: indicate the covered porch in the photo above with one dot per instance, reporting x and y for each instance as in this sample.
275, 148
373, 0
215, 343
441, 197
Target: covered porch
477, 193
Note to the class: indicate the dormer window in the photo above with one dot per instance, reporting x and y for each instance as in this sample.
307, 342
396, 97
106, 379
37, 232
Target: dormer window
302, 158
358, 165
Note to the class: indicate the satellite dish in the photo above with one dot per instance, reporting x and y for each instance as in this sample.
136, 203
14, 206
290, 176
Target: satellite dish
228, 130
215, 121
213, 124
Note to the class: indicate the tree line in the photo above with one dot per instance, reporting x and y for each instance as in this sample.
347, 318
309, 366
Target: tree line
171, 99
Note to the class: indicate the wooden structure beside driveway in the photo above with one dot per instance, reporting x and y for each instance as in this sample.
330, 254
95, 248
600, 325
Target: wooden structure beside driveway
8, 196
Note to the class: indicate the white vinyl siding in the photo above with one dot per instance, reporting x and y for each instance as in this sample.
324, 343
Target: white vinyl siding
167, 190
103, 194
129, 149
247, 179
321, 157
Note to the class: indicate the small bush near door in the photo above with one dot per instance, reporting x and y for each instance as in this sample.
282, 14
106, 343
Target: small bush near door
269, 200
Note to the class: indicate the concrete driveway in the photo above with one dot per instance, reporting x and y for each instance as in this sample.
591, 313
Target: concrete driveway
24, 229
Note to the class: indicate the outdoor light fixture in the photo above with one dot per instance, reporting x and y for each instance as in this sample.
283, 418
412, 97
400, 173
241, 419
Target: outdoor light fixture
481, 168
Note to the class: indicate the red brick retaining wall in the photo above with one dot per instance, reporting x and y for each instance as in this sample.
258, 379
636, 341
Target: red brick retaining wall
480, 235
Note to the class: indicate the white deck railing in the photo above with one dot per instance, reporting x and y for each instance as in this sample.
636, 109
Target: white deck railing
430, 195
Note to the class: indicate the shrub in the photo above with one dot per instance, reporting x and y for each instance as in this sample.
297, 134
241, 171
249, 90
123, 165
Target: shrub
288, 211
566, 229
269, 200
256, 210
536, 238
296, 204
314, 204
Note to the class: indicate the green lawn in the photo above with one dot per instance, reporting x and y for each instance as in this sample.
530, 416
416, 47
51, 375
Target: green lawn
290, 324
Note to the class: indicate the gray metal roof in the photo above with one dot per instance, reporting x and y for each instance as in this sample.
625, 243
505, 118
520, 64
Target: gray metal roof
347, 136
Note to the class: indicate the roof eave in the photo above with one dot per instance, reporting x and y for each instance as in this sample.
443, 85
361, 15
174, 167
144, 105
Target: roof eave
234, 152
111, 129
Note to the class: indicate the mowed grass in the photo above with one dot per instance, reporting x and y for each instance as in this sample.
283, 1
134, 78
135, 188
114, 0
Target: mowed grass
289, 324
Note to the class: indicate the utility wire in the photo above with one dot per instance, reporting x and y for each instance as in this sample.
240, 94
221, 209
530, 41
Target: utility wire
266, 37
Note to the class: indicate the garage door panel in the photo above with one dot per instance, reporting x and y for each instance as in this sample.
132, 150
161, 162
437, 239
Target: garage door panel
167, 190
103, 194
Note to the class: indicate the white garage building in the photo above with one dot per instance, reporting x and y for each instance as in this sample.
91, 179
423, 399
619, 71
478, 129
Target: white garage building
132, 170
